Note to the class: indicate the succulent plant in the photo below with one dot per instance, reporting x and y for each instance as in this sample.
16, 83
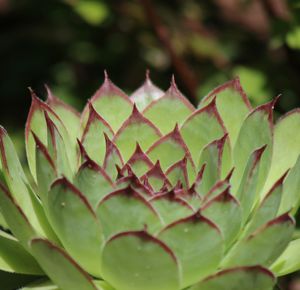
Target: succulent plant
150, 193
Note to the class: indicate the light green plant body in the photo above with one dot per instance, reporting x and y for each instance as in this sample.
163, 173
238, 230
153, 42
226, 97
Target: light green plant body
149, 193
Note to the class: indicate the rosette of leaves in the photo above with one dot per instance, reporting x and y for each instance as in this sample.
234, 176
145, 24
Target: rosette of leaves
148, 192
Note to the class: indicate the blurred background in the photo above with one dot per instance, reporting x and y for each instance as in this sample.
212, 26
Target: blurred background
68, 43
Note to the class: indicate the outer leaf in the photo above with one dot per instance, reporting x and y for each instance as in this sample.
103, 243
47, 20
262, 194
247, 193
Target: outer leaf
290, 192
15, 217
246, 278
147, 93
14, 258
173, 105
69, 116
127, 210
110, 103
289, 261
225, 211
152, 265
93, 135
197, 244
247, 192
76, 224
60, 267
201, 128
169, 149
232, 104
268, 208
256, 131
136, 129
93, 182
263, 246
286, 146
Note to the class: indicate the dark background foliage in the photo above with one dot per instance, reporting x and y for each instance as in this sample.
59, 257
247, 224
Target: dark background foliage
68, 43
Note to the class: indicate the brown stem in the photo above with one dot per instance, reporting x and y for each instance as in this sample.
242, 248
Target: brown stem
184, 72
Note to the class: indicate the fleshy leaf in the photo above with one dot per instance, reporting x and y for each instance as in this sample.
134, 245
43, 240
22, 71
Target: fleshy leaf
178, 172
170, 109
136, 129
16, 181
225, 211
198, 245
213, 156
147, 93
289, 261
152, 265
156, 178
112, 159
247, 192
256, 249
110, 103
93, 182
57, 149
139, 161
246, 278
76, 224
126, 210
201, 128
171, 207
14, 258
60, 267
268, 208
232, 104
68, 115
93, 135
286, 148
170, 149
291, 193
15, 217
256, 131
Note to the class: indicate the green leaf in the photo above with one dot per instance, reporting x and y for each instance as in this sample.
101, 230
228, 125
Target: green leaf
127, 210
291, 193
136, 129
256, 131
111, 104
286, 147
289, 261
136, 260
170, 149
145, 94
14, 258
247, 192
93, 182
67, 114
171, 207
60, 267
178, 173
41, 285
168, 110
139, 162
246, 278
263, 246
213, 156
93, 135
225, 211
15, 217
198, 245
232, 104
201, 128
57, 149
112, 159
156, 178
268, 208
76, 224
